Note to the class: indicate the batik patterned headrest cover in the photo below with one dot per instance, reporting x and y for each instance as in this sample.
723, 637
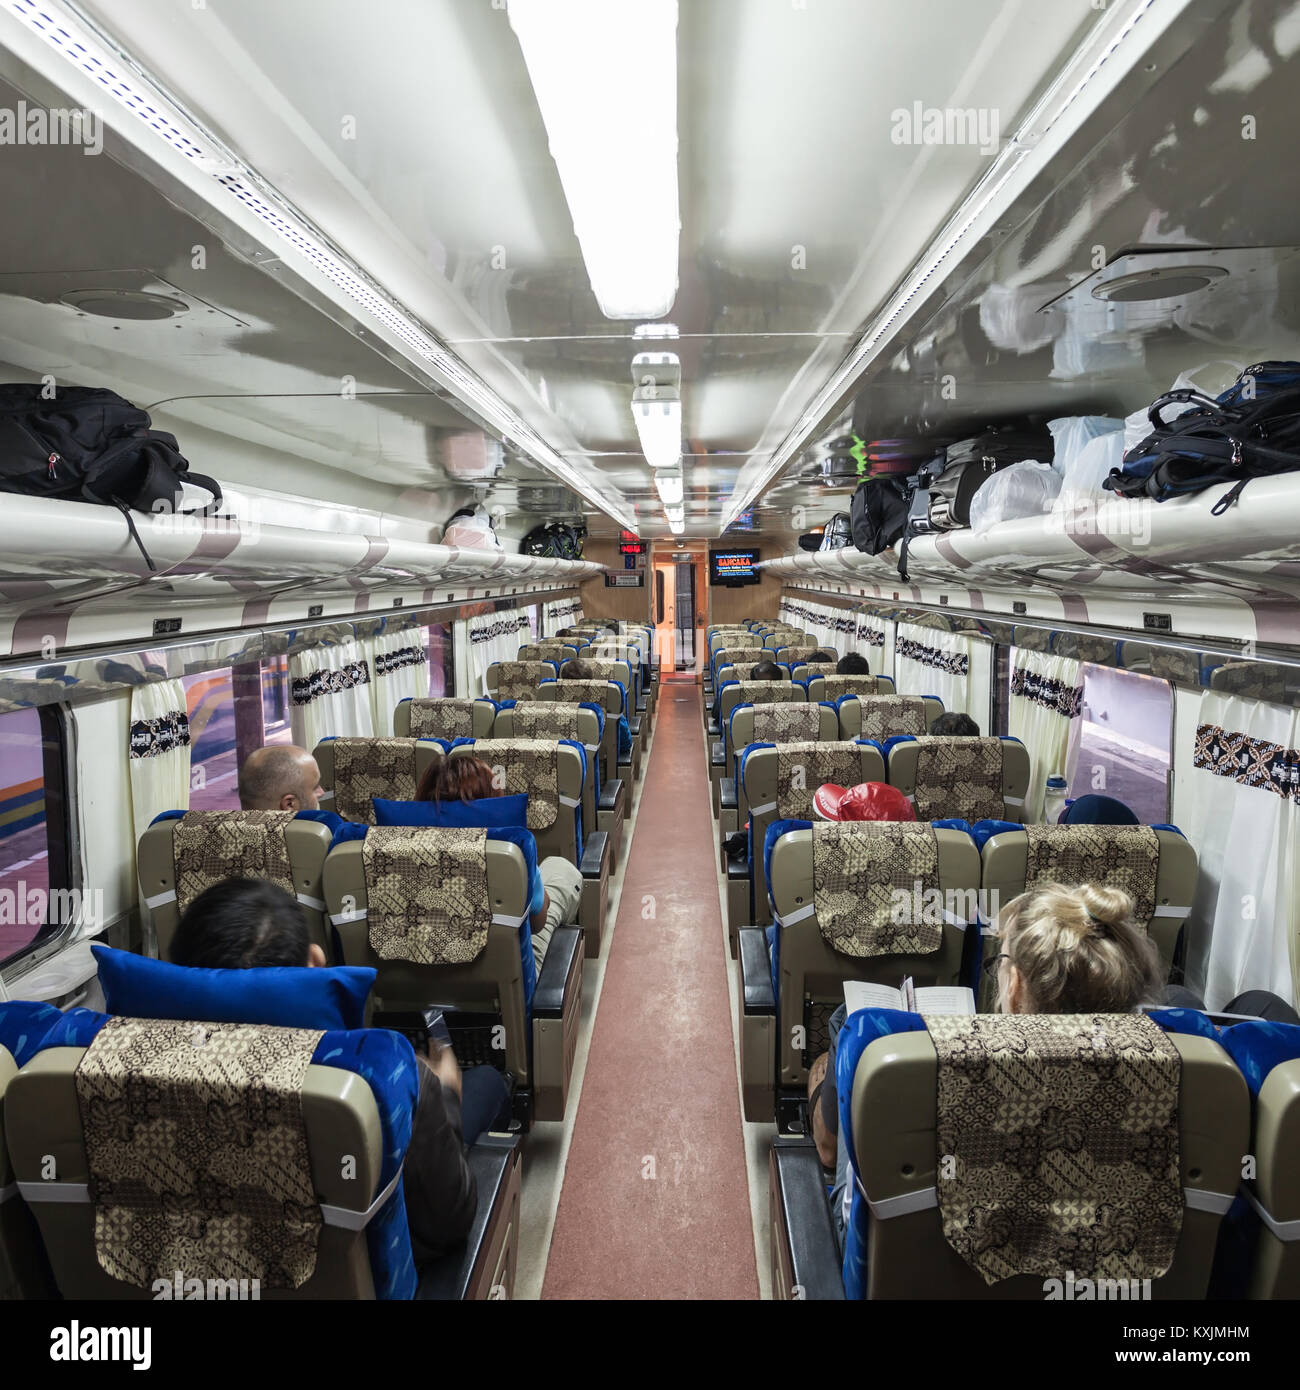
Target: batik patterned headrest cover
805, 670
738, 640
365, 768
761, 693
1064, 1129
731, 653
427, 895
197, 1151
552, 651
801, 768
529, 765
858, 869
442, 717
782, 723
789, 654
618, 671
512, 680
1120, 856
586, 692
959, 777
211, 846
883, 716
737, 670
545, 719
832, 687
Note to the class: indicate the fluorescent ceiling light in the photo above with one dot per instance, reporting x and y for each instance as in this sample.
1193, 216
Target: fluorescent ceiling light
670, 487
659, 428
677, 527
655, 330
1093, 70
605, 76
677, 513
114, 74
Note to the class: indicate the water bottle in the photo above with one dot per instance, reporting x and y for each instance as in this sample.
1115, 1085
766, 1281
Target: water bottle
1054, 799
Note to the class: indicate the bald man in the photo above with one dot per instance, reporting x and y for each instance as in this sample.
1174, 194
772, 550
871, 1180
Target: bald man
279, 777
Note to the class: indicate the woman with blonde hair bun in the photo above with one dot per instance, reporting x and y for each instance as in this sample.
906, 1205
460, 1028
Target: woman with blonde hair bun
1074, 951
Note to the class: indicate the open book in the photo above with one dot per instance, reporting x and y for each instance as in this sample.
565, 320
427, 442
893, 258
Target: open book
928, 1001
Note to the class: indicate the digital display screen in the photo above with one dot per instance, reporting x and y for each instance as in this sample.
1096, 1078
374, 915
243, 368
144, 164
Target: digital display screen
732, 567
630, 544
744, 522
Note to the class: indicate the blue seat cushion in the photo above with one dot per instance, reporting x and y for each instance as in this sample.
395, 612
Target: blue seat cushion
285, 995
386, 1062
23, 1025
483, 812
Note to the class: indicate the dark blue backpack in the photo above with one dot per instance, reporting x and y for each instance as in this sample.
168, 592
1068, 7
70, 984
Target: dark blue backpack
1251, 430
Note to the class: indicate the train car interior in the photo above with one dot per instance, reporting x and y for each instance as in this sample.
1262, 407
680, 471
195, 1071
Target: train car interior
650, 650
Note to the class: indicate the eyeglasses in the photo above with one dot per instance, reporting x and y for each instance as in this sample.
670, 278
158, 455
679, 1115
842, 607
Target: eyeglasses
994, 961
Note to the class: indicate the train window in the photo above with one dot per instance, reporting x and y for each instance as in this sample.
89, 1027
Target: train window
442, 667
275, 700
34, 902
214, 768
1124, 742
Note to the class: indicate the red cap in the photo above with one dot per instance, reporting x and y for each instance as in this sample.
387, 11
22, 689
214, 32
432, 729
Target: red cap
866, 801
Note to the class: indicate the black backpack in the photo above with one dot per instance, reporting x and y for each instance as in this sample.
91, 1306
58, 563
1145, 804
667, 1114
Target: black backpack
1251, 430
878, 513
88, 445
555, 541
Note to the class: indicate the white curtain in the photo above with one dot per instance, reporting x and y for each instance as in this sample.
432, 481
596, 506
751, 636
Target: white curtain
868, 639
330, 693
1245, 827
399, 667
929, 661
159, 752
494, 637
1046, 698
561, 613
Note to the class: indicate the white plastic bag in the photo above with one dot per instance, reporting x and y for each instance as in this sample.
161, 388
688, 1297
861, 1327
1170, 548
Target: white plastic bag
1024, 489
1210, 379
1072, 433
471, 532
1083, 478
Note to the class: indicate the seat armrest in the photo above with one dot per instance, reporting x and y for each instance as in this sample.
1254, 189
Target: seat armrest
718, 753
727, 793
634, 723
609, 790
595, 855
448, 1277
755, 971
816, 1265
714, 731
548, 998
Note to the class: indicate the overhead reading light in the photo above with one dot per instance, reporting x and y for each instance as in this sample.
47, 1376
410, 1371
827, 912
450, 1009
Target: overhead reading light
1121, 38
586, 60
659, 428
206, 164
670, 487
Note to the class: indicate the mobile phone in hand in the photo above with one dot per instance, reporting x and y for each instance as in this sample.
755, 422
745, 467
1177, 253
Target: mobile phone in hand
435, 1026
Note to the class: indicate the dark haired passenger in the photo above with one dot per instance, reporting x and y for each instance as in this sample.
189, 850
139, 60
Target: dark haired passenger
852, 664
249, 924
556, 887
953, 724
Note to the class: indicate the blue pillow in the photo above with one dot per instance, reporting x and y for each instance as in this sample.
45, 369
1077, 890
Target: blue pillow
482, 813
285, 996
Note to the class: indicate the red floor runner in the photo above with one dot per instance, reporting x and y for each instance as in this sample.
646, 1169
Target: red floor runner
655, 1202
